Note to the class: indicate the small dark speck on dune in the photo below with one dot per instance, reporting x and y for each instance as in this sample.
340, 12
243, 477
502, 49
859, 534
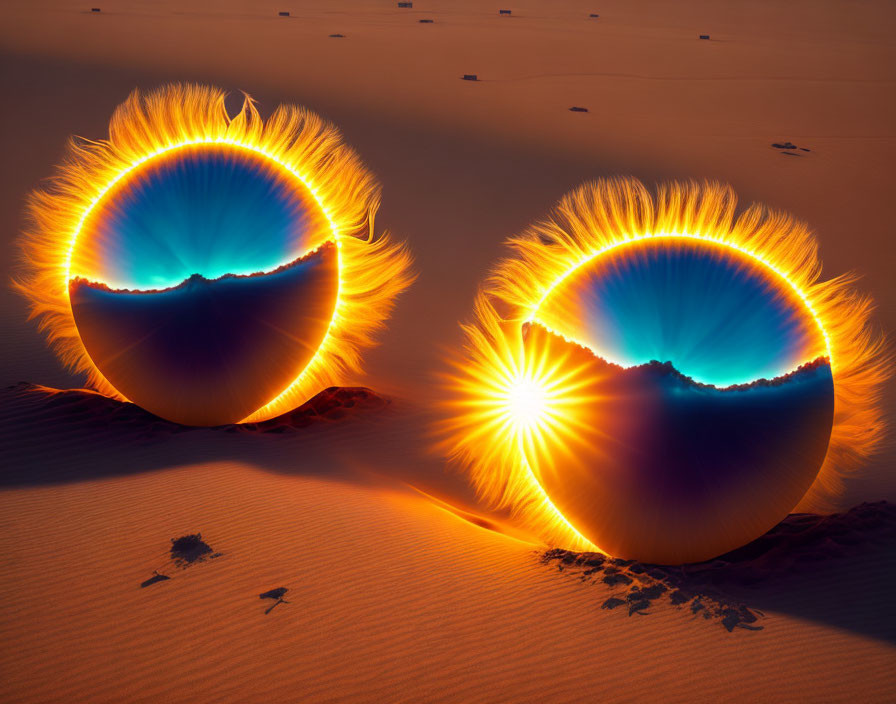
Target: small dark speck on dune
740, 617
154, 579
652, 592
186, 550
274, 593
616, 579
190, 549
638, 607
678, 597
789, 148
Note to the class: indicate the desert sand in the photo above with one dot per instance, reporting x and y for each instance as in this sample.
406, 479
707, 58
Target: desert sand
401, 587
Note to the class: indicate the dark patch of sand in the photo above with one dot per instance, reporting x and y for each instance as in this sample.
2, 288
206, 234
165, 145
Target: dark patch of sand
789, 148
157, 577
276, 594
332, 404
713, 590
186, 550
190, 549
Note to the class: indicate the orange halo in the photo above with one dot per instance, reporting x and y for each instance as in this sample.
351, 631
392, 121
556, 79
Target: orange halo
372, 270
482, 431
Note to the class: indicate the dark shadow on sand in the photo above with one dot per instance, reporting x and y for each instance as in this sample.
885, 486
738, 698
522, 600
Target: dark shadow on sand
820, 568
345, 434
58, 436
189, 549
155, 579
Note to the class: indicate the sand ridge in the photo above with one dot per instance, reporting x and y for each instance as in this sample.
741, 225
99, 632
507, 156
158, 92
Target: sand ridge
390, 597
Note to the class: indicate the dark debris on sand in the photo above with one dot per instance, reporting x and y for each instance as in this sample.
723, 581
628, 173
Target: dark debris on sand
643, 585
276, 594
185, 551
788, 148
157, 577
699, 589
190, 549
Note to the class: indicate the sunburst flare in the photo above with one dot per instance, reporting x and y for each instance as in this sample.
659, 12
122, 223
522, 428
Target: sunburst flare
514, 350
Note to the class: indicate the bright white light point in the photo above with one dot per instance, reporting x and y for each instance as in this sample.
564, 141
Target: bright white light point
526, 401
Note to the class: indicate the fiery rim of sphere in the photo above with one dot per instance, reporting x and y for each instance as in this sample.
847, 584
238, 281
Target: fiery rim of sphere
482, 432
372, 270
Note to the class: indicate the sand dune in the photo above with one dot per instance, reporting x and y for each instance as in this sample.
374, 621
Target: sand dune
391, 596
401, 587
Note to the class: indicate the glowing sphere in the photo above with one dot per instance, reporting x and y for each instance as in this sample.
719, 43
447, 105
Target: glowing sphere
660, 377
210, 268
189, 288
712, 399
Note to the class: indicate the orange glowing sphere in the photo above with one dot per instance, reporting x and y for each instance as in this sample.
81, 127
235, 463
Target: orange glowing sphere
211, 268
216, 344
664, 468
660, 378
